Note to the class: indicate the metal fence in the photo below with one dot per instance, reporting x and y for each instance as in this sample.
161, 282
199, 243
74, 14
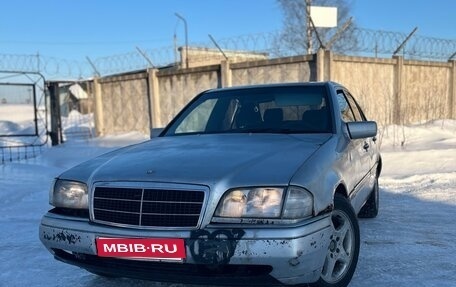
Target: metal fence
23, 115
364, 42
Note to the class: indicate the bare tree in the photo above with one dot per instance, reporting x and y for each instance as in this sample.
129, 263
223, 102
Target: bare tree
293, 38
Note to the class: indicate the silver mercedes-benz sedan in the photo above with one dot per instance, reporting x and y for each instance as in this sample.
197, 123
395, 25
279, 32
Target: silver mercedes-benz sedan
246, 185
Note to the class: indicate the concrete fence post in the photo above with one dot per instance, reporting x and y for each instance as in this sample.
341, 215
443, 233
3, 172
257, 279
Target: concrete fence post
226, 73
154, 101
397, 90
99, 119
328, 66
452, 94
320, 65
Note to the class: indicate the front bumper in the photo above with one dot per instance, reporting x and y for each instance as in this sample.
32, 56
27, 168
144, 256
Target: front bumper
288, 254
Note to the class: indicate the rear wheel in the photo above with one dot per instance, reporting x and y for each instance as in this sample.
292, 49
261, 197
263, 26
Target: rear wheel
342, 256
370, 208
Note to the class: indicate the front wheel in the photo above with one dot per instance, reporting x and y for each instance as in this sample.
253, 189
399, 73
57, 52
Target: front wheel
342, 256
370, 208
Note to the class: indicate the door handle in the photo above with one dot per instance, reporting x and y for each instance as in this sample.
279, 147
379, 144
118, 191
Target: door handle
366, 146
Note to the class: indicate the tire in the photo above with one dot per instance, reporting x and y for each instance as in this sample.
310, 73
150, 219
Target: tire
342, 257
370, 208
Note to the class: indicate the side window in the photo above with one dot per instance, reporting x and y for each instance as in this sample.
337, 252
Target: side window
345, 111
356, 111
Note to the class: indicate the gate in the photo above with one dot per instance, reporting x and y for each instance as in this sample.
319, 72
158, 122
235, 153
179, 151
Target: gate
23, 115
71, 106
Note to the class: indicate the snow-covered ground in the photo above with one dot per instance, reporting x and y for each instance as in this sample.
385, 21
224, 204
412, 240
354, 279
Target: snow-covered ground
17, 120
22, 137
410, 243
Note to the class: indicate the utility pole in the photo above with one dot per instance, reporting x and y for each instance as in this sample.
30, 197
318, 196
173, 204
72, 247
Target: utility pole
186, 37
175, 46
309, 27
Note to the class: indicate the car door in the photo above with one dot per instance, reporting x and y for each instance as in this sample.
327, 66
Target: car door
358, 155
372, 149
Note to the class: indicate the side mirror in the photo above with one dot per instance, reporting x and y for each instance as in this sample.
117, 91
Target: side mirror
155, 132
360, 130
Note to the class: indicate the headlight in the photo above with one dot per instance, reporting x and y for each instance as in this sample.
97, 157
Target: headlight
266, 202
298, 204
70, 194
263, 202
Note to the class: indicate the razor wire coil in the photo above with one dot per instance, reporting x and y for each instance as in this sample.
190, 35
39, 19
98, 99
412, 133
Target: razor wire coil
365, 42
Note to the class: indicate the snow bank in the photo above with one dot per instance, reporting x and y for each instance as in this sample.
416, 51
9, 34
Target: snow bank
17, 120
78, 125
440, 133
7, 128
16, 113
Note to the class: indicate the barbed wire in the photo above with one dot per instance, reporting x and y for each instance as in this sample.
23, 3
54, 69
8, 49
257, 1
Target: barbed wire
10, 62
365, 42
134, 60
51, 67
420, 47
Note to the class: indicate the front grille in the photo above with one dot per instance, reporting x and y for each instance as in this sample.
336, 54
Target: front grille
141, 207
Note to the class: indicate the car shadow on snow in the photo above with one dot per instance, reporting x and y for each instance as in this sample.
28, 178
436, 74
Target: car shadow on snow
410, 243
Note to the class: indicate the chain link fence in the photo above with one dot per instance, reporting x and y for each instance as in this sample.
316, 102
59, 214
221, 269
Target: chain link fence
363, 42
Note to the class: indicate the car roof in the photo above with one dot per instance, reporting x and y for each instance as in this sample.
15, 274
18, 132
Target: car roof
296, 84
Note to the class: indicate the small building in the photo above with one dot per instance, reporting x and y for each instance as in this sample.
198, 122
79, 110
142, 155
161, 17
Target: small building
198, 56
74, 97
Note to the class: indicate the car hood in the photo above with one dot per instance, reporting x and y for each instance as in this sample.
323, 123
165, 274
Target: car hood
235, 159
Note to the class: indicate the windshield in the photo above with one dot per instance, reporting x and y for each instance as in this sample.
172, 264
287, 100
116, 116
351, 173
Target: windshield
294, 109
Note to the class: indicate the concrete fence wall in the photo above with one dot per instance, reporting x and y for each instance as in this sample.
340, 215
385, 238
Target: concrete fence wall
177, 88
291, 69
371, 81
122, 104
389, 90
425, 93
396, 90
